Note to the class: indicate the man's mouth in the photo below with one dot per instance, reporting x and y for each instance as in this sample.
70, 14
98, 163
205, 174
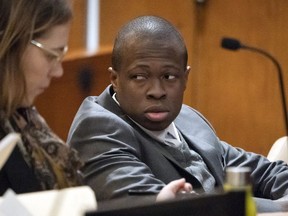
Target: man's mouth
156, 116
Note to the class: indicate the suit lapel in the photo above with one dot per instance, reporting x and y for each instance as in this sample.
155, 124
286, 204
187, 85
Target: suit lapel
160, 148
202, 139
207, 152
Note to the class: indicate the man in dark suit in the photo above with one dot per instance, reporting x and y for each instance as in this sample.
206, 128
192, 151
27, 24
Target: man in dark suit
138, 139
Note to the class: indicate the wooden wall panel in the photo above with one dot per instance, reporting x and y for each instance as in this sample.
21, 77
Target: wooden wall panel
60, 102
77, 39
238, 91
115, 13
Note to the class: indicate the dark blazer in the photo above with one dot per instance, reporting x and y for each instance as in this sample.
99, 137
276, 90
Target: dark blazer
120, 157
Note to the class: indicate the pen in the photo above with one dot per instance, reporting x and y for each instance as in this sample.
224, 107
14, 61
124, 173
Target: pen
142, 192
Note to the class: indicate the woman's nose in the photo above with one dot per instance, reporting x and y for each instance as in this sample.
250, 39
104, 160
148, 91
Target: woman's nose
57, 70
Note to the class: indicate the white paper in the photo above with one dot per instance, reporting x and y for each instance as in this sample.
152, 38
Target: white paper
74, 201
11, 206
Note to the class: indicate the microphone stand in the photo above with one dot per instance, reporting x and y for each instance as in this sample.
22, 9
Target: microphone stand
279, 150
280, 77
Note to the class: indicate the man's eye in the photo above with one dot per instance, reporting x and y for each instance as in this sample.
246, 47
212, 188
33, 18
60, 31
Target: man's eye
139, 77
169, 77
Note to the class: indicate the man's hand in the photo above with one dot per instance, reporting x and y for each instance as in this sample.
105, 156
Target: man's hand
171, 190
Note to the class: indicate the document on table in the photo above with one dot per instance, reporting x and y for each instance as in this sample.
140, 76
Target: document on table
74, 201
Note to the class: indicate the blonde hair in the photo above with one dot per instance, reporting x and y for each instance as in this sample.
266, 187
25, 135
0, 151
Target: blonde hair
21, 21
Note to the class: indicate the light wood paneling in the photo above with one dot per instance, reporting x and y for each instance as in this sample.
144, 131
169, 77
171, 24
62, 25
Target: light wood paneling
238, 91
83, 77
77, 39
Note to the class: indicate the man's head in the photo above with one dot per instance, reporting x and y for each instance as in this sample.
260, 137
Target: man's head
149, 71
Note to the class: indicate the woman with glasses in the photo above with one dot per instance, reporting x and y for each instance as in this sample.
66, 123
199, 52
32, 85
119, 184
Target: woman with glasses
33, 41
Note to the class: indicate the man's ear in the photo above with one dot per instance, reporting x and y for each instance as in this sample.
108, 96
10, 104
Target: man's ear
113, 78
188, 68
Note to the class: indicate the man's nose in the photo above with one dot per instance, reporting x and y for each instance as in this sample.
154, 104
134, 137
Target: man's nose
156, 89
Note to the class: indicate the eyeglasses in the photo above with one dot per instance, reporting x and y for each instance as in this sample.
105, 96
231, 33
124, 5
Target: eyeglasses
58, 56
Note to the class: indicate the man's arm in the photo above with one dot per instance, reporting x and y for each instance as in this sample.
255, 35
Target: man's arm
111, 153
270, 179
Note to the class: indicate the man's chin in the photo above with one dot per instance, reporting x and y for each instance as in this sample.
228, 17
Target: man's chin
156, 126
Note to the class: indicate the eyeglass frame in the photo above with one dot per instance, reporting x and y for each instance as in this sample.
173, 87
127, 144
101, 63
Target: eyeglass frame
58, 56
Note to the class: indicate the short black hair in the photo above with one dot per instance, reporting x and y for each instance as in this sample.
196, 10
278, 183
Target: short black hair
146, 27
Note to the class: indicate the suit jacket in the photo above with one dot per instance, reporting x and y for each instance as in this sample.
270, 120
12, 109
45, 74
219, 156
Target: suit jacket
120, 158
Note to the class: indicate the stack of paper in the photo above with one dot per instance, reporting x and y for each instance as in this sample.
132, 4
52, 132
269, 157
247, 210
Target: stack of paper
66, 202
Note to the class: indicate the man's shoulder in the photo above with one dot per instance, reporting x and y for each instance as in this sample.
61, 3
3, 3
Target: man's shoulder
187, 111
103, 102
190, 117
92, 106
90, 103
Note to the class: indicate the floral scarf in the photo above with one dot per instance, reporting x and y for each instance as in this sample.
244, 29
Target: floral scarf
55, 165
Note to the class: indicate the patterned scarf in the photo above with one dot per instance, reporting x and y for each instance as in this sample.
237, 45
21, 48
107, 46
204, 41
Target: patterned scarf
54, 163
